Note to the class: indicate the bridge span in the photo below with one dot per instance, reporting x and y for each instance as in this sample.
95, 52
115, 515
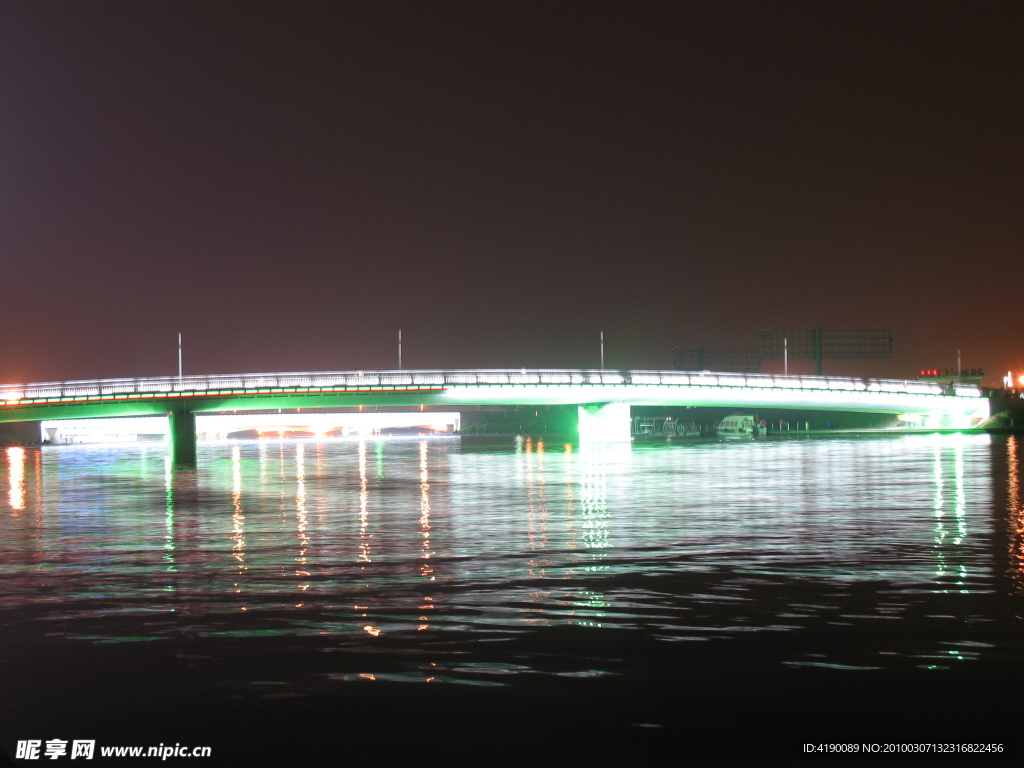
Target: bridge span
603, 397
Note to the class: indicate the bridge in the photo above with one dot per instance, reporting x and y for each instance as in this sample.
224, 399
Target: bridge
603, 397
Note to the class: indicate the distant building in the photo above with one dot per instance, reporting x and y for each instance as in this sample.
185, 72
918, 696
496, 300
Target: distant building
952, 375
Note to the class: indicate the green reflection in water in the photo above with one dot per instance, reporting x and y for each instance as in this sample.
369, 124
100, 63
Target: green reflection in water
169, 518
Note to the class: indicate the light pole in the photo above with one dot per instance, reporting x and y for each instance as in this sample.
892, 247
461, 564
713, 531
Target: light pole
179, 359
602, 350
399, 349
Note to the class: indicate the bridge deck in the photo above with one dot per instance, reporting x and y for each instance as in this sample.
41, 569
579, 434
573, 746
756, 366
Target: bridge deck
223, 384
240, 392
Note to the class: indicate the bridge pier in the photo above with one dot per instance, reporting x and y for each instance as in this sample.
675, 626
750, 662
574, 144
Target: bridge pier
182, 424
20, 433
604, 423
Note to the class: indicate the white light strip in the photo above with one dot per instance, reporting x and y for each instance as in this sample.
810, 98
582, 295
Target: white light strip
255, 381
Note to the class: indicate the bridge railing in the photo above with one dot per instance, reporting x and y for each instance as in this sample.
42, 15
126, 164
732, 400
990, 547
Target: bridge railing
348, 379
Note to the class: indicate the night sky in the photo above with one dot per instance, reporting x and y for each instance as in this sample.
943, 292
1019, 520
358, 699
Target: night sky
287, 184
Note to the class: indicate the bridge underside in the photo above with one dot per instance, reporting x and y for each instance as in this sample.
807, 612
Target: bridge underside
604, 410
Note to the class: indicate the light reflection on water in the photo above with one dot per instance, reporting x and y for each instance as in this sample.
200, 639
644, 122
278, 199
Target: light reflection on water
858, 553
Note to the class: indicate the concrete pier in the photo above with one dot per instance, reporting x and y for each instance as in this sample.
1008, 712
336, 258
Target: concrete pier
605, 423
182, 424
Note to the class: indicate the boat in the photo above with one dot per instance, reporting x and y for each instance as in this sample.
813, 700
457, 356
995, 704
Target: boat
741, 425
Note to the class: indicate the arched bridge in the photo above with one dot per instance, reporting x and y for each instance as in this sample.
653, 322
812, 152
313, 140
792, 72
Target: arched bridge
603, 396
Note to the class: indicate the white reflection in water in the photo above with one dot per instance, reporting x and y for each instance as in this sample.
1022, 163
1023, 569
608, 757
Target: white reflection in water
425, 568
593, 459
16, 478
569, 489
301, 517
950, 519
1016, 511
364, 499
238, 514
536, 509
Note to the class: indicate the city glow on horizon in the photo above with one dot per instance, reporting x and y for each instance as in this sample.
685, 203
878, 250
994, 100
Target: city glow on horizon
266, 425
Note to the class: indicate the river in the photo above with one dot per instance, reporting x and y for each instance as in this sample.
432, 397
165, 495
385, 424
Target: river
712, 602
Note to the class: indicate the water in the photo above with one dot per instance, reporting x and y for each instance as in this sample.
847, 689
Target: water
319, 598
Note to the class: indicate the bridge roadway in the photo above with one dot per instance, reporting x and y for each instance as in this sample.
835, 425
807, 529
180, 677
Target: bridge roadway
604, 397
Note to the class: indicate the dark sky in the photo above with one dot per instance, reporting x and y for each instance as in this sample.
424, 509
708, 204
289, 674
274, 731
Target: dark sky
289, 183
